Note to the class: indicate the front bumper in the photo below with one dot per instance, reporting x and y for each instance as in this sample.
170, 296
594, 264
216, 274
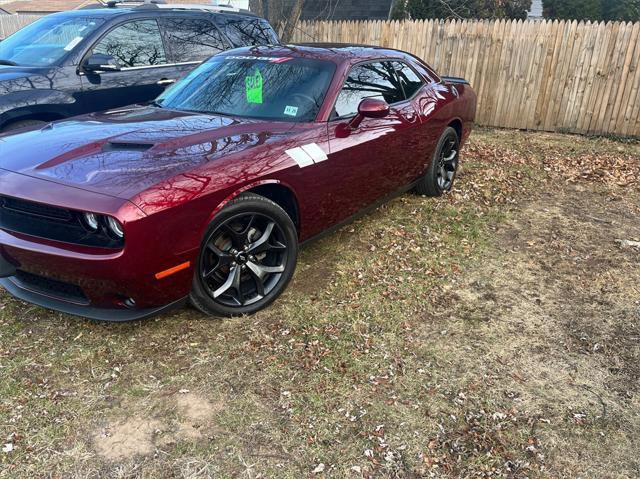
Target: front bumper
97, 283
20, 291
94, 286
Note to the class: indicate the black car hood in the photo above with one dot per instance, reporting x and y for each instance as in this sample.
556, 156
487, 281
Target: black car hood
13, 73
17, 79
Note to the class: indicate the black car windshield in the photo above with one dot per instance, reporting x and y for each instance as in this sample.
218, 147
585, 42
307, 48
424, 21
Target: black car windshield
46, 41
275, 88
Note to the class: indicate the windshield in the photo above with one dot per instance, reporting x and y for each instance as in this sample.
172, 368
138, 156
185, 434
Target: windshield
46, 41
275, 88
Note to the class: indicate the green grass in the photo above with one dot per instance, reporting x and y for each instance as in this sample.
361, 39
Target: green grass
392, 354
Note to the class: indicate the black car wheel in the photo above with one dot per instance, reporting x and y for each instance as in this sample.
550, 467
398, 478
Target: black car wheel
444, 164
247, 258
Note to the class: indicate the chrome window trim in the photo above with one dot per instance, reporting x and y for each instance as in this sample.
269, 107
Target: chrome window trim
142, 67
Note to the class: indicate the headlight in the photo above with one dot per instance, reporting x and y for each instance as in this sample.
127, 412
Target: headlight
115, 227
90, 221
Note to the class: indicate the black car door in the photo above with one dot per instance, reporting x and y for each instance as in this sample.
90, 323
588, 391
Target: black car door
145, 67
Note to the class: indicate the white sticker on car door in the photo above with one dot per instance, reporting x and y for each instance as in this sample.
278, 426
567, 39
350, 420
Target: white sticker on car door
307, 155
315, 152
300, 157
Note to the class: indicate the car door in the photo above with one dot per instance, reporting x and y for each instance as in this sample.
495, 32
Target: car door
145, 70
375, 159
425, 133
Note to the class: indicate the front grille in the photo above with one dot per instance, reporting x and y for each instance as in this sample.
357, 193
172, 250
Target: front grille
53, 223
51, 287
35, 209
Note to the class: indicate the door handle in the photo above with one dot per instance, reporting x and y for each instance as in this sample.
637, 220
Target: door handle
165, 81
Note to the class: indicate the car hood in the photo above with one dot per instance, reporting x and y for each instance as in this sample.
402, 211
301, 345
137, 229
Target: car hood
8, 75
121, 153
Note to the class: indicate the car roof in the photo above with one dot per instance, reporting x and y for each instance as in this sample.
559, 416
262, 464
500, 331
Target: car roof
336, 52
120, 11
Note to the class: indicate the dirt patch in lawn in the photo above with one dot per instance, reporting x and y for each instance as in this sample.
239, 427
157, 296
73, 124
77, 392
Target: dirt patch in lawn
158, 423
127, 439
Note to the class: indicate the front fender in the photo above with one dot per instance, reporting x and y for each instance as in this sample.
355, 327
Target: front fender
27, 103
239, 191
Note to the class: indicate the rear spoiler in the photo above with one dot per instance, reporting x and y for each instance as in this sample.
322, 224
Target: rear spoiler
455, 80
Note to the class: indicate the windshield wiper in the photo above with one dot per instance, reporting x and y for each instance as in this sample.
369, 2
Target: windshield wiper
8, 63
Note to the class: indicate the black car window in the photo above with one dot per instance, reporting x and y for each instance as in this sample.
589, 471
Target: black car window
409, 79
48, 40
134, 44
191, 39
368, 80
249, 31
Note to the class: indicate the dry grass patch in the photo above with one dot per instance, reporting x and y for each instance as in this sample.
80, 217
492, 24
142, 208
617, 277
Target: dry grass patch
491, 333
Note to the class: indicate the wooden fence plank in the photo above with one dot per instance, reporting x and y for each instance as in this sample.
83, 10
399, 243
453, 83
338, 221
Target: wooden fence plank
631, 66
616, 79
579, 88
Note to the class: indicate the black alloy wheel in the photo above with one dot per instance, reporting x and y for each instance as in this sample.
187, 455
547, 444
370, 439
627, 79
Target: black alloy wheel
247, 258
447, 163
441, 173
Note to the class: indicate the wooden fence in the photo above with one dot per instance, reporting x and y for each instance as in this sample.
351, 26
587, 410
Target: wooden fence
552, 76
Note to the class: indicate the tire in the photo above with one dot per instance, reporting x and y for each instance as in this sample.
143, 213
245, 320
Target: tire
441, 173
18, 125
247, 258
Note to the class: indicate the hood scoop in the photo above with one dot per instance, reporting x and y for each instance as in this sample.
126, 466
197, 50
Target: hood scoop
126, 146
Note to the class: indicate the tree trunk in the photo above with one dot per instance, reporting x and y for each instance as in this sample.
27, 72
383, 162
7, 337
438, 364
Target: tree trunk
291, 22
283, 15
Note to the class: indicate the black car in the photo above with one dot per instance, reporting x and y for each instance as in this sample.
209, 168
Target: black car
82, 61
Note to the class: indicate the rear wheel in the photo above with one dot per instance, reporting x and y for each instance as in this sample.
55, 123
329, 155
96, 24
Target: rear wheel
247, 258
444, 164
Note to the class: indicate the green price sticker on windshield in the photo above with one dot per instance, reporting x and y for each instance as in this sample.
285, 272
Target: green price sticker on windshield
253, 86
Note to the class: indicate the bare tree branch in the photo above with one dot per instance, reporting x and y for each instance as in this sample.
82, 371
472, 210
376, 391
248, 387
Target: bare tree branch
281, 14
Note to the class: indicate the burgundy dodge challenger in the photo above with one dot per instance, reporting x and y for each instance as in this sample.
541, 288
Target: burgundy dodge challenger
206, 193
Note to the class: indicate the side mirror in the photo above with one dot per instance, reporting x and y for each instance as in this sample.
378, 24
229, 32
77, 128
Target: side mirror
373, 108
368, 108
100, 62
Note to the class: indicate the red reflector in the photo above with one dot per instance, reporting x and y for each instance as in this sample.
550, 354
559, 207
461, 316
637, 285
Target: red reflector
170, 271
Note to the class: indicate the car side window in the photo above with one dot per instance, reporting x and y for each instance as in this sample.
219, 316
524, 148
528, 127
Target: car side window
368, 80
134, 44
409, 79
191, 39
248, 32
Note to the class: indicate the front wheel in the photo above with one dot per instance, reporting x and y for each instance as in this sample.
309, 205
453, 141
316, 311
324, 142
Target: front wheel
442, 171
247, 258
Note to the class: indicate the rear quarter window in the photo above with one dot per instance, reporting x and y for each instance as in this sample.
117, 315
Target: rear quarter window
191, 39
409, 79
427, 72
248, 31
